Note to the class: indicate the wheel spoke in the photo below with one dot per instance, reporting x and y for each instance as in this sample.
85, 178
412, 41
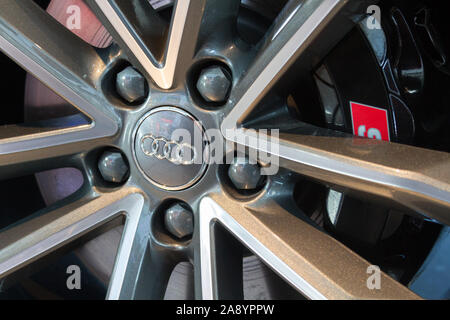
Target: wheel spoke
63, 62
131, 251
30, 148
311, 261
159, 49
415, 178
218, 261
47, 231
141, 270
146, 275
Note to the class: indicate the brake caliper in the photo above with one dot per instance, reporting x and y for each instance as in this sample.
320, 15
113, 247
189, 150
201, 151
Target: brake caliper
371, 86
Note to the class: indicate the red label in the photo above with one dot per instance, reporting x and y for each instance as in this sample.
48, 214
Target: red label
370, 122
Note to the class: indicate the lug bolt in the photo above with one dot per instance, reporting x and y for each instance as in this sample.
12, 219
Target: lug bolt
243, 174
131, 85
179, 220
113, 167
214, 84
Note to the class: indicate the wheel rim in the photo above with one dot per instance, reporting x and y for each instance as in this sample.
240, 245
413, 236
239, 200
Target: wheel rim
312, 262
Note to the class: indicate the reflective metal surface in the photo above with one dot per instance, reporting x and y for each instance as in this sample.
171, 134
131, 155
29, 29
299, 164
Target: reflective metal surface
213, 84
243, 174
113, 166
171, 148
179, 220
131, 85
162, 75
268, 223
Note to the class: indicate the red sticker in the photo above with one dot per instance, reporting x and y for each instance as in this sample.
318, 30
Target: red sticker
370, 122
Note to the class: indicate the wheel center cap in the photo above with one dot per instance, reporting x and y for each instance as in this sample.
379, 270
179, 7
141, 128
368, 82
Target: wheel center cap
171, 148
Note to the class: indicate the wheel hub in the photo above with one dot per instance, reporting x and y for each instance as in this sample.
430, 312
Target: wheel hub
171, 148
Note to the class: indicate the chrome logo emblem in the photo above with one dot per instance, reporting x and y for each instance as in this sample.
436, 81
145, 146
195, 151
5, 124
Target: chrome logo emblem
172, 151
168, 159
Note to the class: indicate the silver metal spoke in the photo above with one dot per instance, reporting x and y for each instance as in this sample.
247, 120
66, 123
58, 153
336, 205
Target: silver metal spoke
26, 149
63, 62
132, 250
218, 262
142, 269
415, 178
26, 242
311, 261
132, 21
145, 276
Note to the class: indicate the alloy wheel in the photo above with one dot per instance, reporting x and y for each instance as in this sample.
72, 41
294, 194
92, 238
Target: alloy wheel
170, 55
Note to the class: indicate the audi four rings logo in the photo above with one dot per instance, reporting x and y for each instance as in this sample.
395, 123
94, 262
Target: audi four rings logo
173, 151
